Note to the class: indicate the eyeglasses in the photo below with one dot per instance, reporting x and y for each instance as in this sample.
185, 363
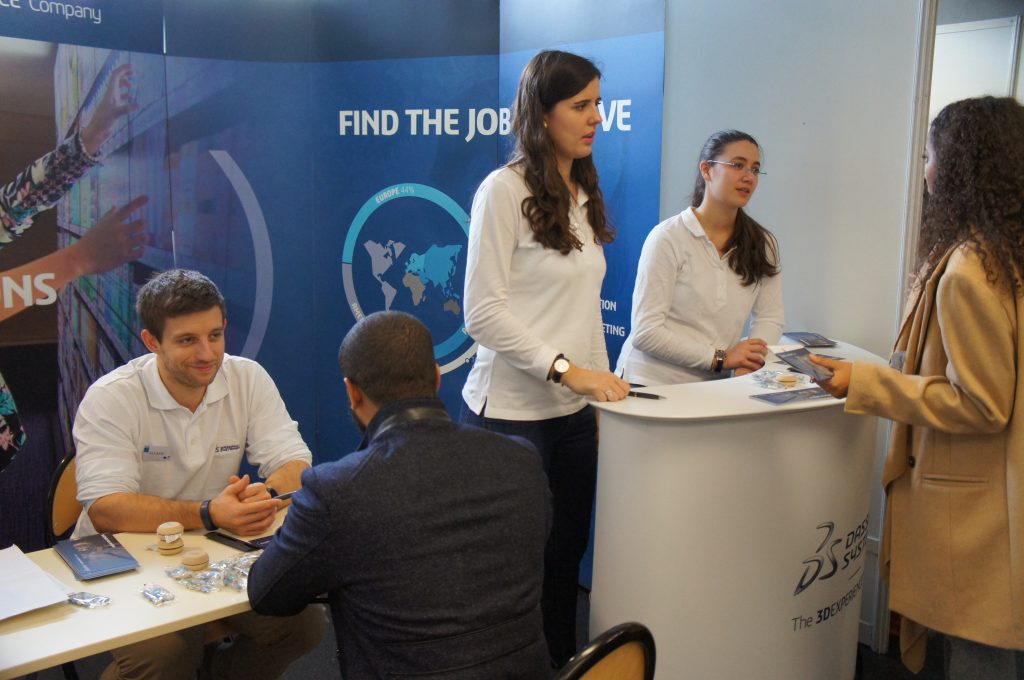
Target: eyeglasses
739, 167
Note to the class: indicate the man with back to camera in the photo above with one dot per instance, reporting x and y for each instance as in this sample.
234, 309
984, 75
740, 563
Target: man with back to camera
429, 538
161, 438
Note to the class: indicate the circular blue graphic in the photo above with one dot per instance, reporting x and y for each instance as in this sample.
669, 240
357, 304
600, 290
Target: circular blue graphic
410, 256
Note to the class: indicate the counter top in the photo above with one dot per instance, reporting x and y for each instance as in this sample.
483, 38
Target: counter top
63, 632
730, 397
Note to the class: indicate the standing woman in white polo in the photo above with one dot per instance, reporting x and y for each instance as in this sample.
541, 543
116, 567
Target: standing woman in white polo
533, 303
703, 274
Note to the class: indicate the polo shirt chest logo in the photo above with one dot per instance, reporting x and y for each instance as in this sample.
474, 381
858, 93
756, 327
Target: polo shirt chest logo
154, 453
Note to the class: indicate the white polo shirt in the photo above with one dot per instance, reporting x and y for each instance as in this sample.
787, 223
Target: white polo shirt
132, 436
687, 302
525, 304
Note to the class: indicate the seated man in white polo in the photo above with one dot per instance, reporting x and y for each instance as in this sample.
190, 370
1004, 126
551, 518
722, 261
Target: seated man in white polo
161, 439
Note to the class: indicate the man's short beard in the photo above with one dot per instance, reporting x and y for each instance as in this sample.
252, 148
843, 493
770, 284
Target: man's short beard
355, 419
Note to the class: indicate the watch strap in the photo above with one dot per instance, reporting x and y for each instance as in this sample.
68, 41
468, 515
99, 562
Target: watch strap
719, 361
204, 515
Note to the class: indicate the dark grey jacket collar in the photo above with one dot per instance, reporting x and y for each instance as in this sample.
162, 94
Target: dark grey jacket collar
403, 411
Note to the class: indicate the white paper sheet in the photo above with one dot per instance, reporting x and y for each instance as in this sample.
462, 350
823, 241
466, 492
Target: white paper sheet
24, 586
775, 349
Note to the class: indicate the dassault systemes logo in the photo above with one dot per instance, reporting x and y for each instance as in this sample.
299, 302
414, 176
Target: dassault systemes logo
410, 256
824, 564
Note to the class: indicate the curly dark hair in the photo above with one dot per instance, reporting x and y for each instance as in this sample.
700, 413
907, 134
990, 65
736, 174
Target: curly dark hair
977, 195
756, 253
173, 293
550, 77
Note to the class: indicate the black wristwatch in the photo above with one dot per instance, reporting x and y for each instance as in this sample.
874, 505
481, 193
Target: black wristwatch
559, 368
719, 362
204, 515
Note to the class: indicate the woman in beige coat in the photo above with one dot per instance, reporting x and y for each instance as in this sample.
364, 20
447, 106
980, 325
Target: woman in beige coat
953, 547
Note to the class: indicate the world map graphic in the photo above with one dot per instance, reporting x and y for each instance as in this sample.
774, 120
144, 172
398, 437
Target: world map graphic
433, 270
405, 251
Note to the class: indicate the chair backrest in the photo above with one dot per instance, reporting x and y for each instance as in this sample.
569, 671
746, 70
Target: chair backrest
625, 652
62, 506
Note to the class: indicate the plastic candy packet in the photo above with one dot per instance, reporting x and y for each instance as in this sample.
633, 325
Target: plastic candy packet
158, 596
235, 580
231, 573
178, 572
200, 585
88, 600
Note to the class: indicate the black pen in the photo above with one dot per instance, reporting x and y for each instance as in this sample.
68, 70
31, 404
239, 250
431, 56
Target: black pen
644, 395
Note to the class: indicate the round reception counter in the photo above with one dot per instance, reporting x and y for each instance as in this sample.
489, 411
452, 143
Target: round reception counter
735, 528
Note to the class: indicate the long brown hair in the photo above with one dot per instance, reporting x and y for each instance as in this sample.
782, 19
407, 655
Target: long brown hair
549, 78
977, 196
751, 243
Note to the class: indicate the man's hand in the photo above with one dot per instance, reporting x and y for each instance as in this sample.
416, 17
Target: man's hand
255, 491
242, 511
839, 384
287, 478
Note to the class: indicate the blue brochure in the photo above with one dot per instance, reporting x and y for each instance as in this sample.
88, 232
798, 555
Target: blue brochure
95, 556
790, 396
799, 359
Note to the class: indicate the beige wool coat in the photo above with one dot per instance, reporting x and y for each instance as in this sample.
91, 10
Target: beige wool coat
953, 542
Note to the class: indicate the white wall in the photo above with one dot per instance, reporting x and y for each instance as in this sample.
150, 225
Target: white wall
828, 88
972, 59
960, 11
956, 11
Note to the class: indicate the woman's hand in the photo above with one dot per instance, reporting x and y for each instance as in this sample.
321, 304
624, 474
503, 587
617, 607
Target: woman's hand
112, 241
117, 101
747, 355
600, 385
839, 384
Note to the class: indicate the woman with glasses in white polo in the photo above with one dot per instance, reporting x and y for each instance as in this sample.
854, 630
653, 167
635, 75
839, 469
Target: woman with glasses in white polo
703, 273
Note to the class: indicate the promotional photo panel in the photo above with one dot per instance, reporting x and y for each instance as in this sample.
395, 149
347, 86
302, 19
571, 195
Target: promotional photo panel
68, 110
205, 159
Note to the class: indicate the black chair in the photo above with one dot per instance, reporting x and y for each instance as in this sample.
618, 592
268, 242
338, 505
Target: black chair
625, 652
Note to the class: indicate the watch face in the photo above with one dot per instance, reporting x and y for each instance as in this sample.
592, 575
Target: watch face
561, 365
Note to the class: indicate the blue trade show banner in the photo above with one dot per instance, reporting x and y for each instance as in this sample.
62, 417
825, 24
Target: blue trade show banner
318, 161
136, 26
